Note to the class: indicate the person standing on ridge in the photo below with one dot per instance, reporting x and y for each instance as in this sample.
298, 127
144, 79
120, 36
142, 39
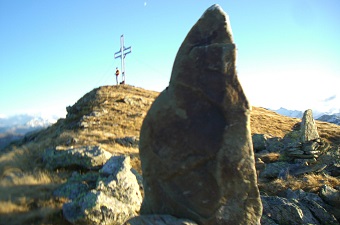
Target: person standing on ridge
117, 74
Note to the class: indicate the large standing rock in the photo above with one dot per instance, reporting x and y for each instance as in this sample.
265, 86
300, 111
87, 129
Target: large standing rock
195, 142
309, 131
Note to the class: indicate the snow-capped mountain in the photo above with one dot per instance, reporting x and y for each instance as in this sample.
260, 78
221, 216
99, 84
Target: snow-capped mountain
290, 113
24, 121
335, 118
15, 127
322, 116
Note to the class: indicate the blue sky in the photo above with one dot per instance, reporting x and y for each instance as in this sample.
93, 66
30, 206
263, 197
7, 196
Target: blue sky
53, 52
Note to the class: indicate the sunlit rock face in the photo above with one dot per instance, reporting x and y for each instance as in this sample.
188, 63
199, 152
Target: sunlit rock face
309, 130
195, 142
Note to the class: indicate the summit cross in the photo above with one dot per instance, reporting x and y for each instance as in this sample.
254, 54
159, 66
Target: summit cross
121, 54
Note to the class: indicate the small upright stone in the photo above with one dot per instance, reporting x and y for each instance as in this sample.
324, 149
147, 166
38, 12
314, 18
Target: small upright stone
309, 131
195, 142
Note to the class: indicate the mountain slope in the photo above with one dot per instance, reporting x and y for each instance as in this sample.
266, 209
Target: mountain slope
106, 116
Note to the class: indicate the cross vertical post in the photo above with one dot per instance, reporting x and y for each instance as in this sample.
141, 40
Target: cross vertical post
121, 54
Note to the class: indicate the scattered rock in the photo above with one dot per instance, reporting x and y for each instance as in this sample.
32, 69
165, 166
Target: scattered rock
132, 101
274, 144
115, 198
86, 157
128, 141
195, 144
305, 161
283, 169
77, 185
301, 194
273, 170
320, 210
310, 146
304, 169
292, 139
97, 208
88, 121
115, 164
259, 142
158, 220
284, 211
334, 170
259, 164
265, 220
71, 141
330, 195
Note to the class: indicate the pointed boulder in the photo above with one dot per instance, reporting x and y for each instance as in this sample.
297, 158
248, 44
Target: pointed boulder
309, 131
195, 142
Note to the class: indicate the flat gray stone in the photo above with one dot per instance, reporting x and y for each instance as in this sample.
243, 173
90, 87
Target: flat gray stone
85, 157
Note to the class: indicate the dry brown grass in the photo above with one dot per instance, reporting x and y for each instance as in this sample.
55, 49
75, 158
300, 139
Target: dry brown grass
329, 131
26, 187
308, 183
268, 157
264, 121
28, 201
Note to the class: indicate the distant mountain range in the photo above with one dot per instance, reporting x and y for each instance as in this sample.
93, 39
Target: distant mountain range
15, 127
334, 118
290, 113
326, 117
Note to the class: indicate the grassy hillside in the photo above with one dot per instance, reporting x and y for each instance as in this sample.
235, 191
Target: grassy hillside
268, 122
104, 116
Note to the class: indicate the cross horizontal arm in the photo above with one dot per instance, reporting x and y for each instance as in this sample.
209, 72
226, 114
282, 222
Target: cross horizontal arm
118, 54
128, 48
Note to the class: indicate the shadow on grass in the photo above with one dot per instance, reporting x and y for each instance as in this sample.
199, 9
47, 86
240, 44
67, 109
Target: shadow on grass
31, 204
